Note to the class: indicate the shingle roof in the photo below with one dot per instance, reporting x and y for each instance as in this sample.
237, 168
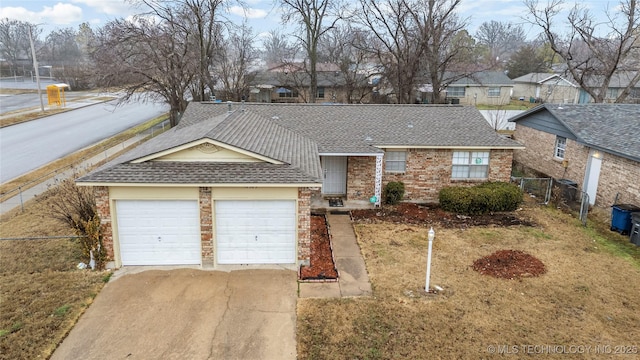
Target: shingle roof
540, 78
609, 127
345, 128
482, 78
296, 134
173, 172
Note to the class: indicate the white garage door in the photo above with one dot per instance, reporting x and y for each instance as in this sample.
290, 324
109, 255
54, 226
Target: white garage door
256, 232
158, 232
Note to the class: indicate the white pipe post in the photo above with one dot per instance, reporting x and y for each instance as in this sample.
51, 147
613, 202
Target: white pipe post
432, 235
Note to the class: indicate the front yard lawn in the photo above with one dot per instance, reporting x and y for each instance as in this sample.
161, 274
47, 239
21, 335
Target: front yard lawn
42, 293
588, 301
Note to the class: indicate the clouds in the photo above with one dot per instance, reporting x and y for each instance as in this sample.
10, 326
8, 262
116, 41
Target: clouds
108, 7
249, 13
58, 14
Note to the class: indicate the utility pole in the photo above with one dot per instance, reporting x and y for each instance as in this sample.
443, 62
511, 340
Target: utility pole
35, 66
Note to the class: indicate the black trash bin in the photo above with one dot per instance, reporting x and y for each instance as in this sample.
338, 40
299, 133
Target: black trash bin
635, 228
621, 217
569, 189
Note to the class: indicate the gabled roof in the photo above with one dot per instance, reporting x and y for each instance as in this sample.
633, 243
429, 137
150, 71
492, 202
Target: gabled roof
541, 78
482, 78
291, 138
608, 127
291, 153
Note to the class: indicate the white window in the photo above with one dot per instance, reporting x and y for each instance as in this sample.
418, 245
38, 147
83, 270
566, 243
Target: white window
470, 165
455, 91
395, 161
561, 147
494, 91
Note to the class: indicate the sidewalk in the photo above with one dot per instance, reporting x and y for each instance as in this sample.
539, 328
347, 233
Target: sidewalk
354, 280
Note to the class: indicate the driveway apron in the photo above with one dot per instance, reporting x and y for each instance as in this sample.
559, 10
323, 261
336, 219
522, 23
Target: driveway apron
189, 314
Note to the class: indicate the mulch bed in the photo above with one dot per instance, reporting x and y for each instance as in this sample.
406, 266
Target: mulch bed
321, 261
428, 215
509, 264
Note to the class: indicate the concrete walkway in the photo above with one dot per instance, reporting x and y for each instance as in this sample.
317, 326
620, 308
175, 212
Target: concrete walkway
353, 278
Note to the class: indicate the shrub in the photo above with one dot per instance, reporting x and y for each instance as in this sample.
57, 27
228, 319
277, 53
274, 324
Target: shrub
75, 206
393, 192
481, 199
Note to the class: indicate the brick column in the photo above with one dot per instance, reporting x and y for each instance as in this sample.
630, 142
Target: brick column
304, 226
206, 225
103, 207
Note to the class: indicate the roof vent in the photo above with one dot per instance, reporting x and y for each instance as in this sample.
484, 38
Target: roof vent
275, 117
368, 138
410, 125
229, 109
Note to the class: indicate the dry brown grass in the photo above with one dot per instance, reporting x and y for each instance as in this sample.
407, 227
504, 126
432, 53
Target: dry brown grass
588, 297
42, 293
20, 116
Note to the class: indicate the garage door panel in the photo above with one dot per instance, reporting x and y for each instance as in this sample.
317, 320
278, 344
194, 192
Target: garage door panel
158, 232
255, 232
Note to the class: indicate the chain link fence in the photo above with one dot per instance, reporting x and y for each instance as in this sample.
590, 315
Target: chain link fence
562, 193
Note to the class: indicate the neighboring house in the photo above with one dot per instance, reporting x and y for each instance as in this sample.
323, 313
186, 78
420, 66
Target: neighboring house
595, 145
545, 88
482, 88
619, 81
291, 84
236, 185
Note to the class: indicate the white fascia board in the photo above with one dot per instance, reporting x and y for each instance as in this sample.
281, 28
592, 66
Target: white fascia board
399, 147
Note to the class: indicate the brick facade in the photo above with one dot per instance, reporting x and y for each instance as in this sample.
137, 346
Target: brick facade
103, 206
206, 225
617, 175
427, 171
304, 226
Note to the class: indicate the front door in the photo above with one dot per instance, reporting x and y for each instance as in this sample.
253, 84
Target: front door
593, 175
335, 175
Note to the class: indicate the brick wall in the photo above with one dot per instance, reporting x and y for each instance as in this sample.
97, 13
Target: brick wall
304, 226
617, 175
427, 171
361, 177
103, 205
206, 225
540, 151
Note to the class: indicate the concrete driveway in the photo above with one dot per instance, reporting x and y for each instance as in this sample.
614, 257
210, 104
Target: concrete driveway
189, 314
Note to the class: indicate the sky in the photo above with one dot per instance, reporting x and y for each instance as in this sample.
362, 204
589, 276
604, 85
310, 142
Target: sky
262, 15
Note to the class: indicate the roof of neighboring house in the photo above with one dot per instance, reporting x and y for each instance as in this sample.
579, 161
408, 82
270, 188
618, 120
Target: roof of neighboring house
294, 136
540, 78
483, 78
325, 79
608, 127
619, 79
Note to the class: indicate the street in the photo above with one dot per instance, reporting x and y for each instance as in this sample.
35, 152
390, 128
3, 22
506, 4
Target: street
28, 146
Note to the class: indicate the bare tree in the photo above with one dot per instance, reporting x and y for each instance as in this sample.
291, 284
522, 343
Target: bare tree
14, 40
342, 46
416, 37
501, 38
164, 53
315, 18
234, 63
277, 49
443, 49
396, 43
593, 56
146, 56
